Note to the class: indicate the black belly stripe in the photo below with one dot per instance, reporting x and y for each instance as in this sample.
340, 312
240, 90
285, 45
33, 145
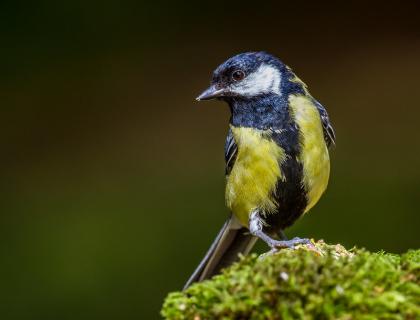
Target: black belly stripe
290, 192
290, 195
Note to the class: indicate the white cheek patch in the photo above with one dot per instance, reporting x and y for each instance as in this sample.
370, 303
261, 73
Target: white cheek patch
265, 80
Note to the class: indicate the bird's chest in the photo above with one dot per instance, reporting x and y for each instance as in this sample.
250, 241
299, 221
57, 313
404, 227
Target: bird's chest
254, 176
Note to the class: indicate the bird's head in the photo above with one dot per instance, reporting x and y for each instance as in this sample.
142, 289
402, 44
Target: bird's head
245, 76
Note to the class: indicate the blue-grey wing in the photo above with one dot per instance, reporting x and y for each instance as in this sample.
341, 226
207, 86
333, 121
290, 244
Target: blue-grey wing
329, 134
231, 150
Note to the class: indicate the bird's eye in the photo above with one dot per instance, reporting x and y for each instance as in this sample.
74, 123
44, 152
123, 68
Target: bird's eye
238, 75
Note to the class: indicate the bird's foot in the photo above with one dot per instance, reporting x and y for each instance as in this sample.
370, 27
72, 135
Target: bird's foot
291, 244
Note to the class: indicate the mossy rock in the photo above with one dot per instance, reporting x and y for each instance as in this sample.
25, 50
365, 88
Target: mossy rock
311, 282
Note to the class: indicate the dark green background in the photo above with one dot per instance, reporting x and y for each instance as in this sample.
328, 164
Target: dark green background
112, 176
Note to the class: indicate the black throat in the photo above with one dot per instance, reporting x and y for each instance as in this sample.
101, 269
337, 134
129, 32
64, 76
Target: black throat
262, 112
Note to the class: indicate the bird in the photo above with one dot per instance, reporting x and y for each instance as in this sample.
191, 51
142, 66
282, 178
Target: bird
277, 162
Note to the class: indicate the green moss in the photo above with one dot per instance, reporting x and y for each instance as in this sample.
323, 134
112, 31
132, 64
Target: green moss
322, 282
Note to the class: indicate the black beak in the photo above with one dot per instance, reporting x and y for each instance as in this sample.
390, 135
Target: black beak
211, 93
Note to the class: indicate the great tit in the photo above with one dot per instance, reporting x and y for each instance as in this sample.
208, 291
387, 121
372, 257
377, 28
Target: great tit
276, 153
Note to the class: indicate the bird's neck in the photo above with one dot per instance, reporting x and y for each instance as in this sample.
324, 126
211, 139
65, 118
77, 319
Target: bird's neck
268, 110
262, 112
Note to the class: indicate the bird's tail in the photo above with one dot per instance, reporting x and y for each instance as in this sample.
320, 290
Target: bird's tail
231, 240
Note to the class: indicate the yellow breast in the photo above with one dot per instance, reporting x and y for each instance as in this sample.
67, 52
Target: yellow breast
314, 154
254, 176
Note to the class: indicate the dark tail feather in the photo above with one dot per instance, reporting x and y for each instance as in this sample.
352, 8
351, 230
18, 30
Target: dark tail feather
231, 240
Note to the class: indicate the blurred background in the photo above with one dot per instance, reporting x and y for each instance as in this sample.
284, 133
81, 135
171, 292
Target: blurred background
112, 176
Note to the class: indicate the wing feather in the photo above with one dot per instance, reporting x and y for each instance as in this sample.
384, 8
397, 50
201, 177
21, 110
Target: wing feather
231, 151
329, 134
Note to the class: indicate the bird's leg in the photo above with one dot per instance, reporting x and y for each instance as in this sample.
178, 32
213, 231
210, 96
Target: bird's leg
256, 227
